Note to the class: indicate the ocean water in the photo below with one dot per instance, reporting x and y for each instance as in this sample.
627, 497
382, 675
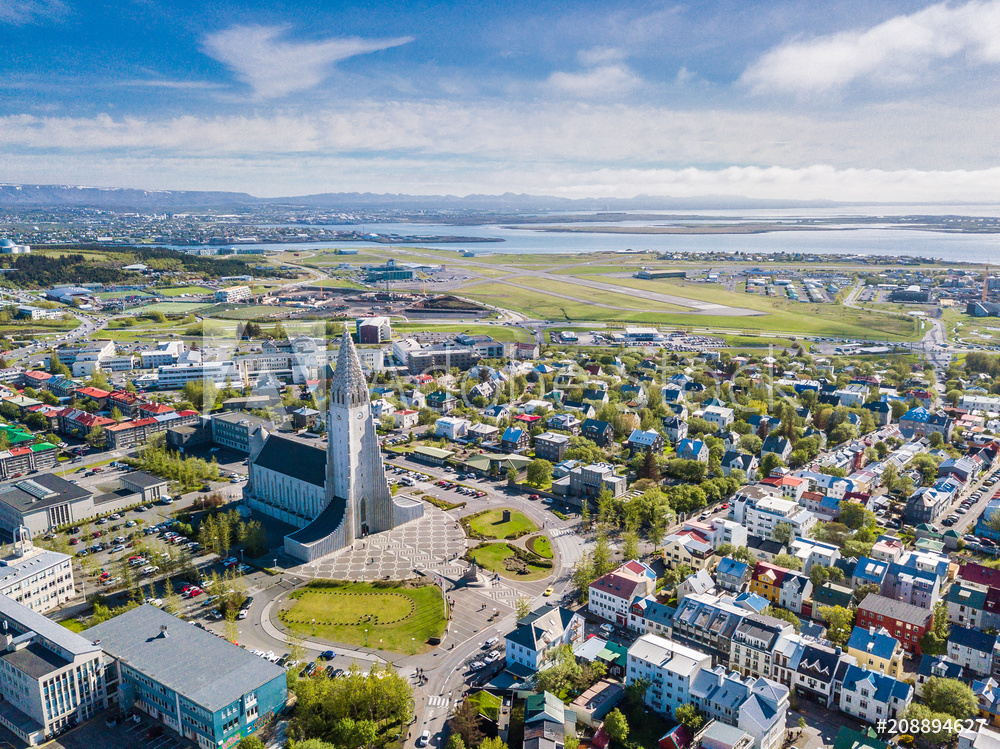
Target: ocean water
845, 240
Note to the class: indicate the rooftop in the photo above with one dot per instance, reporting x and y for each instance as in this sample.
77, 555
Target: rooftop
205, 669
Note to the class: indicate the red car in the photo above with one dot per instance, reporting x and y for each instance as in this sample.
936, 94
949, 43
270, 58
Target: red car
533, 496
74, 541
95, 534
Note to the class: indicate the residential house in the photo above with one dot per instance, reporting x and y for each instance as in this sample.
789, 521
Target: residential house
938, 666
818, 671
777, 445
668, 667
689, 449
611, 595
537, 633
687, 547
736, 461
756, 706
645, 441
906, 622
718, 415
753, 645
452, 428
811, 553
441, 402
565, 423
873, 697
514, 440
551, 446
919, 422
877, 650
708, 622
731, 574
675, 428
972, 649
600, 432
869, 572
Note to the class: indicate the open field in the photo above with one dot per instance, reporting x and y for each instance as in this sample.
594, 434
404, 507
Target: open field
178, 290
541, 546
498, 332
393, 615
339, 283
105, 295
241, 311
491, 556
491, 524
172, 308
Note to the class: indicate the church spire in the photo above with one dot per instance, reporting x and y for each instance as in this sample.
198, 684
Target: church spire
349, 387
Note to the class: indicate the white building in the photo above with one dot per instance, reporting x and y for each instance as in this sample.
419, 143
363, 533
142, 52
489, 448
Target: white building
175, 376
718, 415
234, 294
543, 629
611, 595
452, 428
36, 578
670, 669
980, 402
373, 329
166, 352
50, 678
814, 552
872, 696
767, 513
382, 408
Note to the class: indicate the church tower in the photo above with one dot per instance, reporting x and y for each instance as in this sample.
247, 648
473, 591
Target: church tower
354, 470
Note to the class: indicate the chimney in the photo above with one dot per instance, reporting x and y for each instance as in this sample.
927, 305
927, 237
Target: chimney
163, 631
871, 630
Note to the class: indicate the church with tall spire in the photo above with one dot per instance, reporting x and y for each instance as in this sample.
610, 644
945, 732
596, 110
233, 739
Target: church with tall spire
336, 496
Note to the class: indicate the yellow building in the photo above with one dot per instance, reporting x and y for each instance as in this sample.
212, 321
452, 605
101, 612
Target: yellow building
877, 650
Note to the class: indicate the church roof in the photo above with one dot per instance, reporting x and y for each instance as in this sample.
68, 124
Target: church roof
295, 458
348, 377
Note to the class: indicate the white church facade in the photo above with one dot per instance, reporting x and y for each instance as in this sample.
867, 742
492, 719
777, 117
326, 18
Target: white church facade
333, 496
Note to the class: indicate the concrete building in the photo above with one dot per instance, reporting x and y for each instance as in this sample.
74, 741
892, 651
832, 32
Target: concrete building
873, 697
670, 669
333, 496
373, 329
219, 373
612, 595
50, 678
234, 294
233, 429
536, 634
166, 352
201, 686
551, 446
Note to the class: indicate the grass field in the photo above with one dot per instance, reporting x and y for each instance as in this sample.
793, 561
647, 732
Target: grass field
498, 332
393, 615
491, 556
240, 312
339, 283
782, 316
597, 295
491, 524
541, 546
178, 290
105, 295
175, 307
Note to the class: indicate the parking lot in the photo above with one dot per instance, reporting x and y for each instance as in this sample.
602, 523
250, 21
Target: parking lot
125, 734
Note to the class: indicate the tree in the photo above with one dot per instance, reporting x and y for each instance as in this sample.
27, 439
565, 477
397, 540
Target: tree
863, 591
689, 716
465, 723
455, 742
650, 467
855, 515
936, 440
522, 607
512, 475
630, 545
783, 533
602, 556
924, 716
839, 623
585, 512
250, 742
95, 436
787, 560
950, 696
493, 742
739, 553
583, 576
769, 462
616, 726
539, 472
784, 615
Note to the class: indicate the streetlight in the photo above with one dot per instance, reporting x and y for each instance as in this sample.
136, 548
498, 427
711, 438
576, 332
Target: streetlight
314, 626
413, 645
366, 638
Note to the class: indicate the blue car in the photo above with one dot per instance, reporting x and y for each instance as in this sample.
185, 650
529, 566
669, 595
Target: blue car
327, 655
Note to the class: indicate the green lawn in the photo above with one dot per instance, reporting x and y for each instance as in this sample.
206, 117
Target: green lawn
396, 617
490, 524
497, 332
178, 290
599, 296
175, 307
491, 556
541, 546
784, 317
73, 625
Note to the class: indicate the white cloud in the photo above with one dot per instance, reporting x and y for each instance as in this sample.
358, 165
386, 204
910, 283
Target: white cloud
899, 51
20, 12
274, 67
600, 56
601, 81
884, 153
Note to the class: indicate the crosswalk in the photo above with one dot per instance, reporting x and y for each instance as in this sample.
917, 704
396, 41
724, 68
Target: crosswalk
439, 701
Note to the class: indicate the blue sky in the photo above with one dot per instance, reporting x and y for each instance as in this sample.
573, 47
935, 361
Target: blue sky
839, 100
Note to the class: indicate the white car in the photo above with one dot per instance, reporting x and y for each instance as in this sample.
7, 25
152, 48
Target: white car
425, 739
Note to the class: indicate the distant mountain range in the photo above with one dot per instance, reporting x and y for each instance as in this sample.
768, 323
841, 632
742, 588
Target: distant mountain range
71, 196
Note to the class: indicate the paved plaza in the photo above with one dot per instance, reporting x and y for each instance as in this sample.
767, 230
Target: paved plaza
423, 544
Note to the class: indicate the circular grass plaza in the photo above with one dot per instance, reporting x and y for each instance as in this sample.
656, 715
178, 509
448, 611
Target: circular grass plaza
402, 617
